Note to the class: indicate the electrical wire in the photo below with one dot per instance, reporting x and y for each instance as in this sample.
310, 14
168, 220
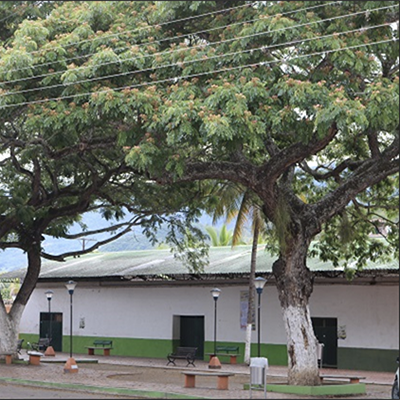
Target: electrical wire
174, 37
162, 24
177, 78
185, 63
197, 46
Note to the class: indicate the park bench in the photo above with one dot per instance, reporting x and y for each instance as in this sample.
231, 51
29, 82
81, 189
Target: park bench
105, 345
184, 353
41, 345
231, 351
351, 378
222, 378
19, 345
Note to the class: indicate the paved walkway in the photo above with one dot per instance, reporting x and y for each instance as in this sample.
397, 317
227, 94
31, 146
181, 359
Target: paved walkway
150, 378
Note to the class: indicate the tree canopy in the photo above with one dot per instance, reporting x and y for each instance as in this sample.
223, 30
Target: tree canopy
296, 101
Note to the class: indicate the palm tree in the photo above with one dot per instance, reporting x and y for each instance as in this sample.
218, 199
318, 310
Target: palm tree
221, 238
237, 202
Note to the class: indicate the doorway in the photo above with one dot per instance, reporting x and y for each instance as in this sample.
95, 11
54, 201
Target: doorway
325, 330
56, 328
192, 333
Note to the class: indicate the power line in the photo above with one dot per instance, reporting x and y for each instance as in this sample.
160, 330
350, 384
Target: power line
162, 24
177, 78
185, 63
193, 47
171, 38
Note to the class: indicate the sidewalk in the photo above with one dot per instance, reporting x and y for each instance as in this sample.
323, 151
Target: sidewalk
151, 378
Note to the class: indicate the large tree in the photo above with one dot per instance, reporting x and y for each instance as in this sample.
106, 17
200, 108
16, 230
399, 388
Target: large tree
296, 101
53, 169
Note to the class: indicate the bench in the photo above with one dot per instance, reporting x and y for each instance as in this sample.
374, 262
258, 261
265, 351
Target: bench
222, 378
41, 345
19, 345
351, 378
34, 357
105, 345
184, 353
231, 351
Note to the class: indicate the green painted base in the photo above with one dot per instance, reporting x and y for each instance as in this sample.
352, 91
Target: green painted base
323, 390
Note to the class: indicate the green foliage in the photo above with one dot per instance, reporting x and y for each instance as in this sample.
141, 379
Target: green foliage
258, 90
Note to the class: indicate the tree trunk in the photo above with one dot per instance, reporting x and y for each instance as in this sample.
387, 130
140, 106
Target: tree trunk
295, 283
247, 347
253, 262
9, 322
9, 325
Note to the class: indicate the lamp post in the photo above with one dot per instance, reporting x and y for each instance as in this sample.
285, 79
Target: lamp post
259, 283
70, 365
214, 361
49, 350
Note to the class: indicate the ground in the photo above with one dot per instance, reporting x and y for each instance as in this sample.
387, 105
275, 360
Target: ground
151, 378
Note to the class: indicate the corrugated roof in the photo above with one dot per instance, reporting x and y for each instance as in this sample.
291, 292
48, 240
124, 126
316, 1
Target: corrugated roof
223, 261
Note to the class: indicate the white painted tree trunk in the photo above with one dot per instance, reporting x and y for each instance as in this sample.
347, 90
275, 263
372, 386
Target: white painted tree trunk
247, 347
9, 325
301, 347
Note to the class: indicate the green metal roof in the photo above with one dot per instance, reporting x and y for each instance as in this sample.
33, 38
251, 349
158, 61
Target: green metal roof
223, 261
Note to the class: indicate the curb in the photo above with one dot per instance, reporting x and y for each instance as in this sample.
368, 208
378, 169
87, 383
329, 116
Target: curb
106, 389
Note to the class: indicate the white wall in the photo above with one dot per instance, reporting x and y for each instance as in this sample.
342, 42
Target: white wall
369, 313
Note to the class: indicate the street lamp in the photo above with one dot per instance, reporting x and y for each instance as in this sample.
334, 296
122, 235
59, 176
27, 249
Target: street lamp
214, 361
259, 283
49, 350
70, 365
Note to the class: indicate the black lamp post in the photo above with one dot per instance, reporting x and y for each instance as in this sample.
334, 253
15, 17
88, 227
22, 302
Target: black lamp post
49, 295
259, 283
214, 361
70, 365
215, 293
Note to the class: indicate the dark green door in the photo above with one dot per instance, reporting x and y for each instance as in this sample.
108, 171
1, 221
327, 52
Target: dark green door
325, 330
192, 334
56, 328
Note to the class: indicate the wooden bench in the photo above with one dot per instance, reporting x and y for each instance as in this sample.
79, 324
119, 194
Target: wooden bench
105, 345
351, 378
183, 353
231, 351
222, 378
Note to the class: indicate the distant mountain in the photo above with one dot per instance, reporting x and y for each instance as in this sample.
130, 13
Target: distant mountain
12, 259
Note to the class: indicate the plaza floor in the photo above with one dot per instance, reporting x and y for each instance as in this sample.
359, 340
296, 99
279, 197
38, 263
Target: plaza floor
134, 377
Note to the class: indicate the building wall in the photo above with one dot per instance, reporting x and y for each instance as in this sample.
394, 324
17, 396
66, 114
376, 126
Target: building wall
140, 319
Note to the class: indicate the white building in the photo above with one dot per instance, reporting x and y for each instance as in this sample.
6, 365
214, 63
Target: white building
147, 303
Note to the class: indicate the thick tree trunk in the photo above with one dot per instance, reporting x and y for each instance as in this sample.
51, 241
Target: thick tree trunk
9, 325
9, 322
295, 284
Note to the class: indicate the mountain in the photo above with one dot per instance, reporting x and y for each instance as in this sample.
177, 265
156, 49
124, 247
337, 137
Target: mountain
11, 259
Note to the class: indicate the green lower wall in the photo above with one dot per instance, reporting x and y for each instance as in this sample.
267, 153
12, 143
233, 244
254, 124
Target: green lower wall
348, 358
367, 359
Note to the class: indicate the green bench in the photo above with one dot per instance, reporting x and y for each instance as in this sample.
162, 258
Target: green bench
105, 345
231, 351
